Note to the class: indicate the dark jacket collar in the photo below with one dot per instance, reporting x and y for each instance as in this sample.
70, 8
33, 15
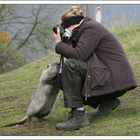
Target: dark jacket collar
86, 19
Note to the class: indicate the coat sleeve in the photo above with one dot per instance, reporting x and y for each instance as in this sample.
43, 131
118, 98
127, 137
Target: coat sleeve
88, 41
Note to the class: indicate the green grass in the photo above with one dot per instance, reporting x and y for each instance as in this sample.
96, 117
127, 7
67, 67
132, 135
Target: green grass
16, 88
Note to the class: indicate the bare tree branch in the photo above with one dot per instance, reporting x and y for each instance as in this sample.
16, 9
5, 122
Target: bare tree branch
33, 27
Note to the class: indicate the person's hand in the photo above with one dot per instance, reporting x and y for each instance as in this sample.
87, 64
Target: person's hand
57, 36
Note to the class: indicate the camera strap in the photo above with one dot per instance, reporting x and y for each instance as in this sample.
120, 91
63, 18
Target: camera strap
60, 69
61, 64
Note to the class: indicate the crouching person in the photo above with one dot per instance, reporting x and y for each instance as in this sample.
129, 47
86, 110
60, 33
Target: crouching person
96, 71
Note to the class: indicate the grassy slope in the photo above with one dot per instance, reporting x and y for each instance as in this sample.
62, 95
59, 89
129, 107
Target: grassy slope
16, 88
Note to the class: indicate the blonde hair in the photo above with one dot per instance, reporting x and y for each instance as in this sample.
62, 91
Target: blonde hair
72, 12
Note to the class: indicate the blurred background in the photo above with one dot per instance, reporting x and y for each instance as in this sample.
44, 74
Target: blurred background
26, 30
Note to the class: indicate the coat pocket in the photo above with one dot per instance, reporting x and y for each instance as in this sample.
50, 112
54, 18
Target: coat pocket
101, 78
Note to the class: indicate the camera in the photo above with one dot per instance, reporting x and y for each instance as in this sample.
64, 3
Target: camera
65, 33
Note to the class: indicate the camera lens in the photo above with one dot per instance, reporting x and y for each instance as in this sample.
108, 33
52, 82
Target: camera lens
55, 29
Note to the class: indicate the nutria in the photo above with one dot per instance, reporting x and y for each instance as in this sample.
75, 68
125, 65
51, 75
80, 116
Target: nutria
44, 98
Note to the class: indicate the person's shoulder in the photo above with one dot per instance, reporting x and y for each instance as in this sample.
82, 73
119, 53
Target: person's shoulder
90, 23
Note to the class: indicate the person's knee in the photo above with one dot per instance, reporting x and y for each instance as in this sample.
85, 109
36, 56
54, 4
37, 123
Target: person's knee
76, 66
70, 66
70, 63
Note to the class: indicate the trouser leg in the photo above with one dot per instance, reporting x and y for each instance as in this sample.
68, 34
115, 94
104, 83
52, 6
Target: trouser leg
73, 78
92, 101
112, 95
103, 99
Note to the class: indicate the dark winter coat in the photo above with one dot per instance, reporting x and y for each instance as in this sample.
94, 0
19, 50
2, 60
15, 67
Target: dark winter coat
108, 68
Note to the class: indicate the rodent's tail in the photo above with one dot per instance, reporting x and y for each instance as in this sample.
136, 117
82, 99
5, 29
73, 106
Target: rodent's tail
20, 122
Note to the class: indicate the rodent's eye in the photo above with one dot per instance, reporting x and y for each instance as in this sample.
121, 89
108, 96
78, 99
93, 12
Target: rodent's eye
47, 66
